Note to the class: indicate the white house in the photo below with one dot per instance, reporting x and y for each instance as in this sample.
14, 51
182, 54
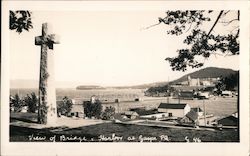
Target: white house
131, 114
174, 109
203, 95
24, 109
226, 93
156, 116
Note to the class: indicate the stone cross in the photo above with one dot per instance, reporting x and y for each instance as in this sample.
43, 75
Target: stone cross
47, 112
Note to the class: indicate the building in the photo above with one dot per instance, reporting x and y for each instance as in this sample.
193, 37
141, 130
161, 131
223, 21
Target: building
138, 99
228, 121
196, 82
143, 111
77, 111
206, 83
24, 109
203, 95
131, 114
93, 99
193, 82
187, 95
198, 110
155, 116
190, 117
226, 93
235, 114
173, 109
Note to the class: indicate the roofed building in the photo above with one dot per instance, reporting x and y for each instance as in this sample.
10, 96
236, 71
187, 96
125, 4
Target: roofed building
198, 110
174, 109
190, 117
131, 114
193, 82
188, 95
229, 121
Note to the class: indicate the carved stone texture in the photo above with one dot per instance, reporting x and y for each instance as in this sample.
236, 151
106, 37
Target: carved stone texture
47, 111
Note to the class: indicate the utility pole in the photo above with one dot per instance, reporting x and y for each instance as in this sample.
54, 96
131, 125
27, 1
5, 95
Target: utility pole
179, 100
118, 107
168, 91
204, 106
197, 110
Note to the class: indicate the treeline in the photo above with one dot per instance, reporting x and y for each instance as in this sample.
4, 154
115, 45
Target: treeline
29, 103
164, 90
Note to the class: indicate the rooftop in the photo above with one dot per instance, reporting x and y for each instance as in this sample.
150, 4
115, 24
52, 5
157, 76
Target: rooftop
196, 109
192, 115
172, 105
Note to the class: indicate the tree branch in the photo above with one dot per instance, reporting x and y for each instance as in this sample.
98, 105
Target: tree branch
151, 26
226, 12
229, 22
221, 12
239, 15
189, 27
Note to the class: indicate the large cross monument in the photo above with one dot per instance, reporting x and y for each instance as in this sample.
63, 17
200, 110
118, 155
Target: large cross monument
47, 112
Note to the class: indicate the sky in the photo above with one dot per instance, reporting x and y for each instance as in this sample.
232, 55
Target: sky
108, 48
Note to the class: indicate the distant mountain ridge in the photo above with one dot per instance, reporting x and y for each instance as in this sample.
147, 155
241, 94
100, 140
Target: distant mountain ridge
87, 87
209, 72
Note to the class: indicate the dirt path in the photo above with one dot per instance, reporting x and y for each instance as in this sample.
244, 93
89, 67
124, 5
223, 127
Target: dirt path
61, 122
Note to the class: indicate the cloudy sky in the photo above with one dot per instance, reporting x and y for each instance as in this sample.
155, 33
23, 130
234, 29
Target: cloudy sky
103, 48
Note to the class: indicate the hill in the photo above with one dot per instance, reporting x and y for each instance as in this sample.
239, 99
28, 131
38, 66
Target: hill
212, 72
228, 75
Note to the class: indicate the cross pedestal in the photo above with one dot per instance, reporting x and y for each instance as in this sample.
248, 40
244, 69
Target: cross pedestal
47, 109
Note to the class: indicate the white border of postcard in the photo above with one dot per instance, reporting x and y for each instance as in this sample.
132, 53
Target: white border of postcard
173, 149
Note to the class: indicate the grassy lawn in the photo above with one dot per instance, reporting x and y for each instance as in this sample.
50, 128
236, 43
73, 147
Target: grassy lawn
124, 131
101, 132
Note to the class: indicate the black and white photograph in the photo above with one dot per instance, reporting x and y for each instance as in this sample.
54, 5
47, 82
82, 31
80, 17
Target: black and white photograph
140, 75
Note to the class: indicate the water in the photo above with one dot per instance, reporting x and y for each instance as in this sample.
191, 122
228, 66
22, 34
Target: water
109, 94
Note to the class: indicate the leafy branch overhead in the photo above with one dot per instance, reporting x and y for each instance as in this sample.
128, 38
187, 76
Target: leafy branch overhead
201, 41
20, 20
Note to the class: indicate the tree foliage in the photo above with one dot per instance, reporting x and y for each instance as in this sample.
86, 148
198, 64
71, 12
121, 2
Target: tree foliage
200, 42
108, 113
228, 83
153, 91
32, 102
231, 81
93, 109
20, 20
16, 102
65, 106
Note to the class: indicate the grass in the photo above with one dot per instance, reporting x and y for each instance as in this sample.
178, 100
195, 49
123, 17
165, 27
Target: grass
22, 134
